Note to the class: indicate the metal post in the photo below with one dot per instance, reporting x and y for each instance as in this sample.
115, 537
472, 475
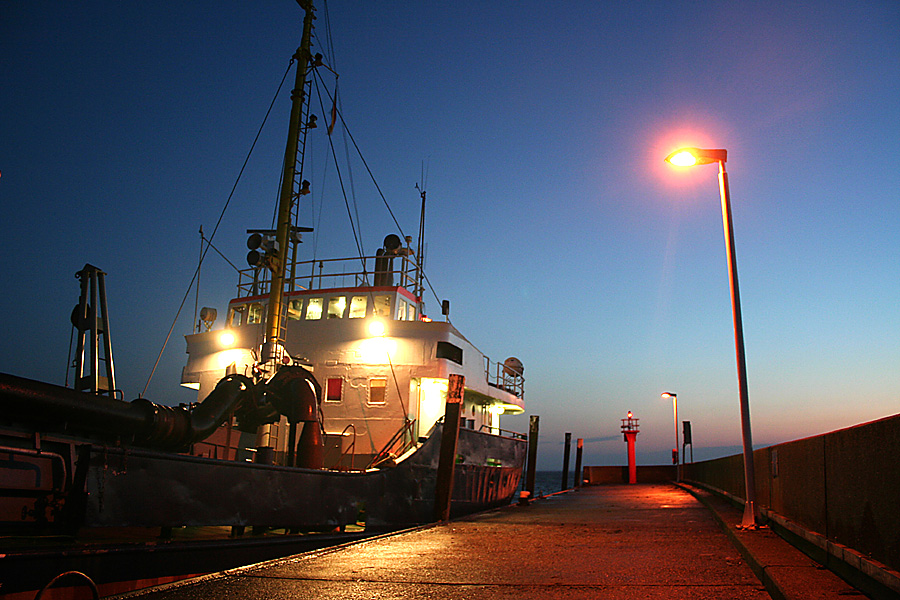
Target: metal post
443, 487
566, 453
750, 516
107, 341
531, 466
80, 320
95, 341
630, 437
677, 454
579, 450
286, 195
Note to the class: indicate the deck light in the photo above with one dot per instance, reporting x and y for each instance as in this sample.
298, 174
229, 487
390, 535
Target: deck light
376, 328
698, 156
226, 339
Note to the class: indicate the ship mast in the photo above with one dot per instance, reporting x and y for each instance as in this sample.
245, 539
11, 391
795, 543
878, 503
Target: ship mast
288, 195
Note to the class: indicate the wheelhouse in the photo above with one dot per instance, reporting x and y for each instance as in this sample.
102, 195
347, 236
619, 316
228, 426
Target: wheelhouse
382, 364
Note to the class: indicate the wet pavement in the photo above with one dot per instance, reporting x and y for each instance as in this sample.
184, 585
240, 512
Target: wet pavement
610, 541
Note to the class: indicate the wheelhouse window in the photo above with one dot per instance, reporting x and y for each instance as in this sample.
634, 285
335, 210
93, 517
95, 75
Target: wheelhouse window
381, 306
357, 307
377, 389
255, 314
333, 388
295, 309
336, 307
450, 352
236, 316
314, 309
406, 311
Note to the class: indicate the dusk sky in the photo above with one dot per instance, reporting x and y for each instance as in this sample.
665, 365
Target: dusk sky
553, 225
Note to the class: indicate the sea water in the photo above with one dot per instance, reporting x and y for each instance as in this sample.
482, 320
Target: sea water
549, 482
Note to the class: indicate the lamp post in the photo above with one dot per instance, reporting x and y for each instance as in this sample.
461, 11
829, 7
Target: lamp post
686, 157
676, 453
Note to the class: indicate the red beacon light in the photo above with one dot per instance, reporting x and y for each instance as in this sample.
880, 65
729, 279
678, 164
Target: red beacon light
629, 432
630, 424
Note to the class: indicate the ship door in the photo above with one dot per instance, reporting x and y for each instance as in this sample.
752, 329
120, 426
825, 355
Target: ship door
432, 398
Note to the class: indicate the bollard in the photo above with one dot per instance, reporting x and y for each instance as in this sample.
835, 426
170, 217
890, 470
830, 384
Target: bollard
566, 452
579, 450
533, 426
443, 487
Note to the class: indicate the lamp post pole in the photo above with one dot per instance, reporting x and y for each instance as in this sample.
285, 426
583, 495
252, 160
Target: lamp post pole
686, 157
750, 515
677, 453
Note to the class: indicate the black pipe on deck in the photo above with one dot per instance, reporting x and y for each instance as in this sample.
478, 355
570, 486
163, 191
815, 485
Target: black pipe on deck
52, 408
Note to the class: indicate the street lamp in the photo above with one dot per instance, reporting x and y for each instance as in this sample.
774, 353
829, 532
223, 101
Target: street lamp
675, 454
686, 157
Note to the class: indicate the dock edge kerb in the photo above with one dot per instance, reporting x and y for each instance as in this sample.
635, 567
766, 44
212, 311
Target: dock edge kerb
851, 559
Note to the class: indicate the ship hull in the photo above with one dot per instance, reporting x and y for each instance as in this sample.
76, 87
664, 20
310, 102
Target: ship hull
131, 487
193, 491
81, 488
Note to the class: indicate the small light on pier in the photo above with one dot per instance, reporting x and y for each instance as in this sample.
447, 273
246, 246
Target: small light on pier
629, 432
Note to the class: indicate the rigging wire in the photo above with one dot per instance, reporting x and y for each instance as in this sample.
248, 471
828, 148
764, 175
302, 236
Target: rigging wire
368, 170
216, 228
350, 174
225, 258
356, 236
375, 183
334, 99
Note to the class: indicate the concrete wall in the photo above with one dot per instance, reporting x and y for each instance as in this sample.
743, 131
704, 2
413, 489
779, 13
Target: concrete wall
844, 485
645, 474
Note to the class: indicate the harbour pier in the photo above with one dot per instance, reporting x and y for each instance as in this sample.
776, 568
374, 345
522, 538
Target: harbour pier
653, 540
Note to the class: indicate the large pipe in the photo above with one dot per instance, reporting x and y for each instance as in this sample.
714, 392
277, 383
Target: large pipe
49, 407
295, 393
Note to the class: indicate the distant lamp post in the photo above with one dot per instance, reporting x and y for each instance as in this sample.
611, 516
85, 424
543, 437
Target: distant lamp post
686, 157
675, 453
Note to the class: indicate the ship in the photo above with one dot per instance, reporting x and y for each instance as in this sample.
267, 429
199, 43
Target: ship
326, 397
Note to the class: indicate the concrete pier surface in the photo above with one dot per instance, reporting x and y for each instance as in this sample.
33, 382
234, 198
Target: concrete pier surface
610, 541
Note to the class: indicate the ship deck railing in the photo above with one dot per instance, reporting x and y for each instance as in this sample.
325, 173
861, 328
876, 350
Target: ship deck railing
503, 378
504, 432
333, 273
491, 430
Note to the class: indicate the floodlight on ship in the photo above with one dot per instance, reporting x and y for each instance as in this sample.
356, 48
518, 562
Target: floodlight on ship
263, 249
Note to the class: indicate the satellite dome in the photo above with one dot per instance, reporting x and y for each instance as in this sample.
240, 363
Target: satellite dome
513, 367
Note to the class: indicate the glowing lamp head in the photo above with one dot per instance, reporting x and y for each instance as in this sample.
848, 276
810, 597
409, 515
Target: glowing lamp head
629, 414
226, 339
682, 158
376, 328
688, 157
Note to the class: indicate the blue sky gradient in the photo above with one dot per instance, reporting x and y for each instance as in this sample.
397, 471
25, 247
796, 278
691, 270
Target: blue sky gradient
554, 226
